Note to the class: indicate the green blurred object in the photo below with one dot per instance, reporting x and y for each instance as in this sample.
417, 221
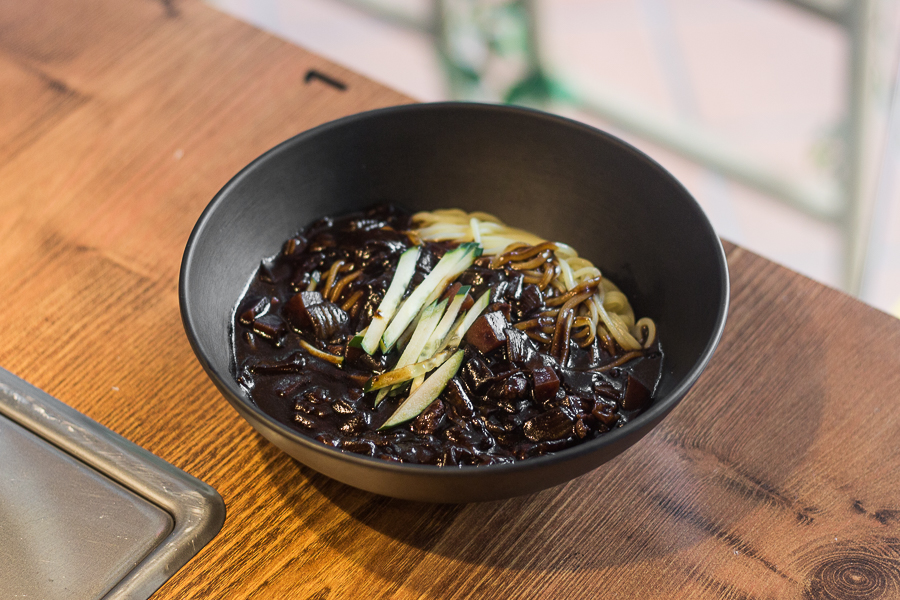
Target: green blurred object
490, 52
488, 49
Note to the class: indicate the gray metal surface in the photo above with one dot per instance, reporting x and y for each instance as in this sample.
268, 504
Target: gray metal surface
84, 513
66, 531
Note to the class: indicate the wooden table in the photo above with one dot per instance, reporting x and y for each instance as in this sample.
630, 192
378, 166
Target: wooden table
778, 476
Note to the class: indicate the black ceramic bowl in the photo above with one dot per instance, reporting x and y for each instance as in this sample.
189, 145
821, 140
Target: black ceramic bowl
560, 179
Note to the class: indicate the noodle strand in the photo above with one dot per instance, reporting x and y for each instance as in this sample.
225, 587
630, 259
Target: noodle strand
560, 274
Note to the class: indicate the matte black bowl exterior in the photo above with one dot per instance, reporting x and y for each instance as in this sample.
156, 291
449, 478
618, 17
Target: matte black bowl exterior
560, 179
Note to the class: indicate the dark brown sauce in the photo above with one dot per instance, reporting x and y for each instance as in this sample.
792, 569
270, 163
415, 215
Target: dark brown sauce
507, 404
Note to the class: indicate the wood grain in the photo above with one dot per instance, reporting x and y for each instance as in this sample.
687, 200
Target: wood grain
776, 477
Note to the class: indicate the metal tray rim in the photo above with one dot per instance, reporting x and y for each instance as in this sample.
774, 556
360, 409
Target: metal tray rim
197, 509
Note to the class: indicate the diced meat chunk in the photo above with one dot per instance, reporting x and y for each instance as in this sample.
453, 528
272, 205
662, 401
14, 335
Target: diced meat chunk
546, 383
458, 398
552, 425
519, 347
476, 373
487, 332
531, 300
269, 326
427, 422
637, 396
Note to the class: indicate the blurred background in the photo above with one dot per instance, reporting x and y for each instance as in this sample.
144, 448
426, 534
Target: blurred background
782, 117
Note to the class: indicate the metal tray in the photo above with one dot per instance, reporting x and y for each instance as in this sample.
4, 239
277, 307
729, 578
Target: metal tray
84, 513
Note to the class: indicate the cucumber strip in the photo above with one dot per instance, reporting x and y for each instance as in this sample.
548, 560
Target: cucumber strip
356, 340
381, 394
437, 338
419, 400
465, 321
430, 317
403, 340
417, 383
443, 328
314, 279
406, 373
451, 265
406, 268
391, 390
465, 262
459, 329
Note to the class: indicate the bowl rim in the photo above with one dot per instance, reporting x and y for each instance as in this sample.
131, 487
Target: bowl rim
656, 411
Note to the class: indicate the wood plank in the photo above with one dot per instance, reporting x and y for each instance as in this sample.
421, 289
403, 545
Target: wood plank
135, 164
776, 477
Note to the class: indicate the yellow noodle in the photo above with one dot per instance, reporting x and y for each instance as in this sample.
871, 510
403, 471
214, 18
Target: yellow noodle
585, 272
476, 231
568, 277
537, 261
332, 273
608, 310
651, 330
338, 288
346, 306
616, 302
483, 216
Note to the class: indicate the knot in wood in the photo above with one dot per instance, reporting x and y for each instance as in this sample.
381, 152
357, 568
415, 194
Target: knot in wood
859, 571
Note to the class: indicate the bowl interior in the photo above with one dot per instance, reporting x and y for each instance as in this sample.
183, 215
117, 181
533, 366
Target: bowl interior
560, 179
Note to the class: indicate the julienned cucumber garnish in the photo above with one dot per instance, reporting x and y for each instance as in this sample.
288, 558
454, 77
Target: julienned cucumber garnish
427, 392
356, 340
428, 330
406, 268
462, 324
453, 339
435, 342
430, 318
448, 268
449, 344
437, 339
408, 372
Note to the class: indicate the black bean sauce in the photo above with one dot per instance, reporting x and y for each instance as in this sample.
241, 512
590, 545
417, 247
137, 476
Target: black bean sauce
509, 402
